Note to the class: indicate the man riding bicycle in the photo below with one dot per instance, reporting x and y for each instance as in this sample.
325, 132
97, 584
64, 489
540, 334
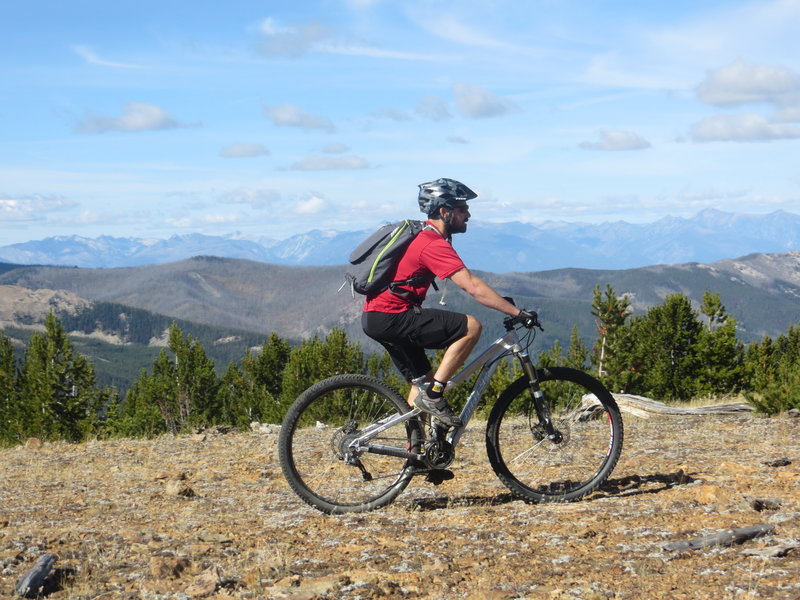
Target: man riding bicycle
396, 319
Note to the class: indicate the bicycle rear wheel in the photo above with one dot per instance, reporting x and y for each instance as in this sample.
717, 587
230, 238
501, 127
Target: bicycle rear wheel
578, 461
313, 445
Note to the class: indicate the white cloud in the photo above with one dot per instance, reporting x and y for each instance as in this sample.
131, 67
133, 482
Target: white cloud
34, 207
194, 222
348, 49
335, 149
449, 28
244, 150
135, 117
361, 4
457, 139
311, 206
746, 127
330, 163
90, 57
392, 114
256, 198
744, 83
476, 102
289, 115
787, 114
614, 140
433, 107
294, 41
290, 41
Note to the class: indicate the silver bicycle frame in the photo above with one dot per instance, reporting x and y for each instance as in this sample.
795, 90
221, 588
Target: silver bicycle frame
509, 343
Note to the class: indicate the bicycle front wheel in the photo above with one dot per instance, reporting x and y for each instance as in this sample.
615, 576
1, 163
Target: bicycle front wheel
315, 456
564, 467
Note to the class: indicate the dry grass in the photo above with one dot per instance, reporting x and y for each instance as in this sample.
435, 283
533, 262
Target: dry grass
108, 510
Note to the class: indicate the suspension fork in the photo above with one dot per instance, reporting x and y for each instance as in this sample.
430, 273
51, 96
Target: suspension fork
537, 397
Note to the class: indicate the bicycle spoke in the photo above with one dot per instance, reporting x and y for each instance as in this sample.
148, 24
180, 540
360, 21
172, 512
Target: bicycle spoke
316, 445
561, 464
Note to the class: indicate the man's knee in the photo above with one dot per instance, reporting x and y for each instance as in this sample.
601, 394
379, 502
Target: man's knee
474, 328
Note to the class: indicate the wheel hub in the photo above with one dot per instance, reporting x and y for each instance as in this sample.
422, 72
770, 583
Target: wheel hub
341, 438
559, 437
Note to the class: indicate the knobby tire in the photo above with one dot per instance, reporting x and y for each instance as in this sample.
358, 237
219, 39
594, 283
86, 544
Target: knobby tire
312, 445
538, 469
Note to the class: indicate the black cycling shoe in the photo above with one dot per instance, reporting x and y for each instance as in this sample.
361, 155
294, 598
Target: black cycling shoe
438, 408
437, 476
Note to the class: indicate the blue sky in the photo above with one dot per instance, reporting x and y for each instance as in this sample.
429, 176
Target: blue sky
149, 119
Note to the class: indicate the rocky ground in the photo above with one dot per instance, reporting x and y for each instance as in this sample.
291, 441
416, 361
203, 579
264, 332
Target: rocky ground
209, 515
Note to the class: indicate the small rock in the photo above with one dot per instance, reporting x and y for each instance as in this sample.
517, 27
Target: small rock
204, 584
794, 412
168, 567
779, 462
709, 494
257, 427
179, 488
762, 504
33, 443
214, 538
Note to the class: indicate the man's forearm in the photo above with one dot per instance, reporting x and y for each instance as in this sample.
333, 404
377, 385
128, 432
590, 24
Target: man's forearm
483, 292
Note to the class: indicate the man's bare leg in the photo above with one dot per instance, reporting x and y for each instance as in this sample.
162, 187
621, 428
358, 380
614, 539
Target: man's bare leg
458, 352
453, 358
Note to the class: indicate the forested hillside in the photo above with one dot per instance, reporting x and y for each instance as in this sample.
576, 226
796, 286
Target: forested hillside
98, 362
672, 352
761, 291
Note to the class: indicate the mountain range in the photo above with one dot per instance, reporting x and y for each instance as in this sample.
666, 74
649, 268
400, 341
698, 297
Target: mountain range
709, 236
119, 316
762, 291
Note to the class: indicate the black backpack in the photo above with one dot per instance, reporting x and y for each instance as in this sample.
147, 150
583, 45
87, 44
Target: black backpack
373, 262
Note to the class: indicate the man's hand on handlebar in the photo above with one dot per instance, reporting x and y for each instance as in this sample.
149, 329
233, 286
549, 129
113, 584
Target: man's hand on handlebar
528, 319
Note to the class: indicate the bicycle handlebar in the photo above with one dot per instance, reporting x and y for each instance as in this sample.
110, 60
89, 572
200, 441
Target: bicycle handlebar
526, 318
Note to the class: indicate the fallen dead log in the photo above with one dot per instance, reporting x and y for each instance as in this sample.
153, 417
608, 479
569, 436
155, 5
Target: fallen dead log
643, 407
778, 551
723, 538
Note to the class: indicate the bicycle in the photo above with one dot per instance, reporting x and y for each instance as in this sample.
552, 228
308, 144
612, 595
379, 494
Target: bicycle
351, 443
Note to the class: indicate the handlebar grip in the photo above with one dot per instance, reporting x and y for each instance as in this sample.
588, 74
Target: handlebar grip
526, 318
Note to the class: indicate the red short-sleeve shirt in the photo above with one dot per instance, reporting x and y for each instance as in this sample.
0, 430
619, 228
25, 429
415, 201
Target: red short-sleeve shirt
429, 253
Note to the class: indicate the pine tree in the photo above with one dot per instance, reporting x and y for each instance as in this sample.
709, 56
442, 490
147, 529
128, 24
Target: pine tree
554, 357
719, 354
780, 390
713, 310
265, 368
665, 349
577, 353
58, 394
9, 409
196, 381
773, 373
611, 312
758, 364
317, 359
182, 390
140, 414
242, 400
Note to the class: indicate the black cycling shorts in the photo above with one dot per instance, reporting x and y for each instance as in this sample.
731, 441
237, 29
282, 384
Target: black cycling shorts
406, 335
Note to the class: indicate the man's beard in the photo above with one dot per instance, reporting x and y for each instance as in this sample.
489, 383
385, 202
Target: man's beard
456, 228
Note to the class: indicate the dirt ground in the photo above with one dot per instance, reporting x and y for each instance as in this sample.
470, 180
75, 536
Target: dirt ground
210, 516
